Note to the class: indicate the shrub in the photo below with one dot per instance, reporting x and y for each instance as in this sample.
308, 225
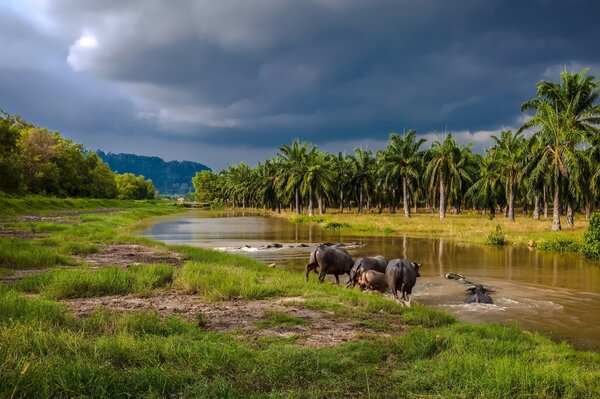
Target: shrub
560, 245
337, 226
497, 237
591, 245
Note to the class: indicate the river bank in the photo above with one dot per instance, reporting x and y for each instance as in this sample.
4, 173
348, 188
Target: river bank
469, 227
161, 323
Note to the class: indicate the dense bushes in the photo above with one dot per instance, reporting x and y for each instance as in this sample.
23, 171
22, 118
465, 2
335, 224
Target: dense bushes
37, 161
591, 246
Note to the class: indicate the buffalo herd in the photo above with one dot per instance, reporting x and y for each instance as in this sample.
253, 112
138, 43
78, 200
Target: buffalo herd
397, 276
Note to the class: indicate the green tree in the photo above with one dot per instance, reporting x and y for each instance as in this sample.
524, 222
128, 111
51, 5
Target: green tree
509, 150
205, 184
402, 159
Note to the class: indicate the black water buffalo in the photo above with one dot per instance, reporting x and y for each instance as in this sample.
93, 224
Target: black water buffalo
329, 260
401, 275
377, 263
478, 294
372, 280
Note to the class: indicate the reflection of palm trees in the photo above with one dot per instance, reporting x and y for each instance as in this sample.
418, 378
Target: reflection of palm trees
441, 255
509, 260
554, 270
404, 247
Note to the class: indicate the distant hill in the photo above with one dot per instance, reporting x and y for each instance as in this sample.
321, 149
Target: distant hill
173, 177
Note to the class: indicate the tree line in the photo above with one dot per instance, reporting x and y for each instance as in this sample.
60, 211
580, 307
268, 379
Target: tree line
38, 161
551, 162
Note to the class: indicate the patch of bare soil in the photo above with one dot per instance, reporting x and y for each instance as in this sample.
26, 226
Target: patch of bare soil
61, 217
239, 317
21, 234
19, 274
125, 255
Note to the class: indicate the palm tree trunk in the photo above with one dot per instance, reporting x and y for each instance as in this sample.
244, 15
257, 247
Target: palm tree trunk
360, 200
556, 208
310, 202
536, 207
320, 204
588, 210
341, 201
511, 202
405, 198
570, 217
545, 204
297, 201
442, 198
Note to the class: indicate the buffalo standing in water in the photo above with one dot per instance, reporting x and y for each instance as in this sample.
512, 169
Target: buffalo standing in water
329, 260
377, 263
401, 275
478, 294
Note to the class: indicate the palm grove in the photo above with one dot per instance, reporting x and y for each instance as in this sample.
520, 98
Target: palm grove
551, 162
38, 161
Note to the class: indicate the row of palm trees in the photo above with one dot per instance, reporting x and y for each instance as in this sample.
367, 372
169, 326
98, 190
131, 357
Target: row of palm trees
559, 159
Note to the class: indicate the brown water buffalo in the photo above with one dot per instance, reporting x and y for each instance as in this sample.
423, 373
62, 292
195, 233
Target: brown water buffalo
372, 280
329, 260
361, 265
478, 294
401, 275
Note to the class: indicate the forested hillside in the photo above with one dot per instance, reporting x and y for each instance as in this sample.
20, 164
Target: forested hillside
173, 177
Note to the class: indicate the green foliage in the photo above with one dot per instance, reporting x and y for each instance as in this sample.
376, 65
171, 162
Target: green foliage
337, 226
132, 187
39, 161
560, 245
205, 183
497, 237
591, 246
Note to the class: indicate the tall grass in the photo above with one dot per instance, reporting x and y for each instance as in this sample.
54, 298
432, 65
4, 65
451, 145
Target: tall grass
29, 254
80, 283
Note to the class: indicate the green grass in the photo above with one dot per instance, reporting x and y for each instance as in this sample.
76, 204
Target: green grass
141, 354
273, 319
29, 254
79, 283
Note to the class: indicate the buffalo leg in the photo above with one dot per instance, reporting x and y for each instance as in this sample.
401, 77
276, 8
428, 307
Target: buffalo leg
337, 279
322, 276
309, 268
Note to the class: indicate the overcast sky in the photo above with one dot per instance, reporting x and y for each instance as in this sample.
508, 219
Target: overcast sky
231, 80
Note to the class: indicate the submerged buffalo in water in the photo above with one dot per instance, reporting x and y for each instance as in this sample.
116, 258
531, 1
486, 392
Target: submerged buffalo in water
329, 260
377, 263
478, 294
372, 280
401, 275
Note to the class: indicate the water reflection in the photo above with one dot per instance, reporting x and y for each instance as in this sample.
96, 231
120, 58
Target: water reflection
557, 293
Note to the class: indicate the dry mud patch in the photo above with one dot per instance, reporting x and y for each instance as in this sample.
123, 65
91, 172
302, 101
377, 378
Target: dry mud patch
240, 317
124, 255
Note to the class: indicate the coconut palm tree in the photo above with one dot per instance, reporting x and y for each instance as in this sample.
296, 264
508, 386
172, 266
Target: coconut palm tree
362, 175
342, 165
443, 166
292, 160
509, 153
318, 177
487, 188
402, 159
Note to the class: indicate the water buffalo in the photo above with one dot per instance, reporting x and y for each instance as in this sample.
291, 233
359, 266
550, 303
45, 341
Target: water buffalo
329, 260
402, 275
478, 294
377, 263
372, 280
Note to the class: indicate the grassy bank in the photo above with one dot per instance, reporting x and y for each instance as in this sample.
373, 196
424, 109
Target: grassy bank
45, 351
466, 227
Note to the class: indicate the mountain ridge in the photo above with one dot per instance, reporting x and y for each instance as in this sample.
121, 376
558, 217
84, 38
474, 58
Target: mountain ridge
169, 177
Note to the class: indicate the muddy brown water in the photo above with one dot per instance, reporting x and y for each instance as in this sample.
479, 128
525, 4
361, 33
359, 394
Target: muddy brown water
558, 294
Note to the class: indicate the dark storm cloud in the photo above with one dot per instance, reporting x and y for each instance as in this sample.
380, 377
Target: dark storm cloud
208, 75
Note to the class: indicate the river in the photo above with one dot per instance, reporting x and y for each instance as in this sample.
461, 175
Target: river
558, 294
